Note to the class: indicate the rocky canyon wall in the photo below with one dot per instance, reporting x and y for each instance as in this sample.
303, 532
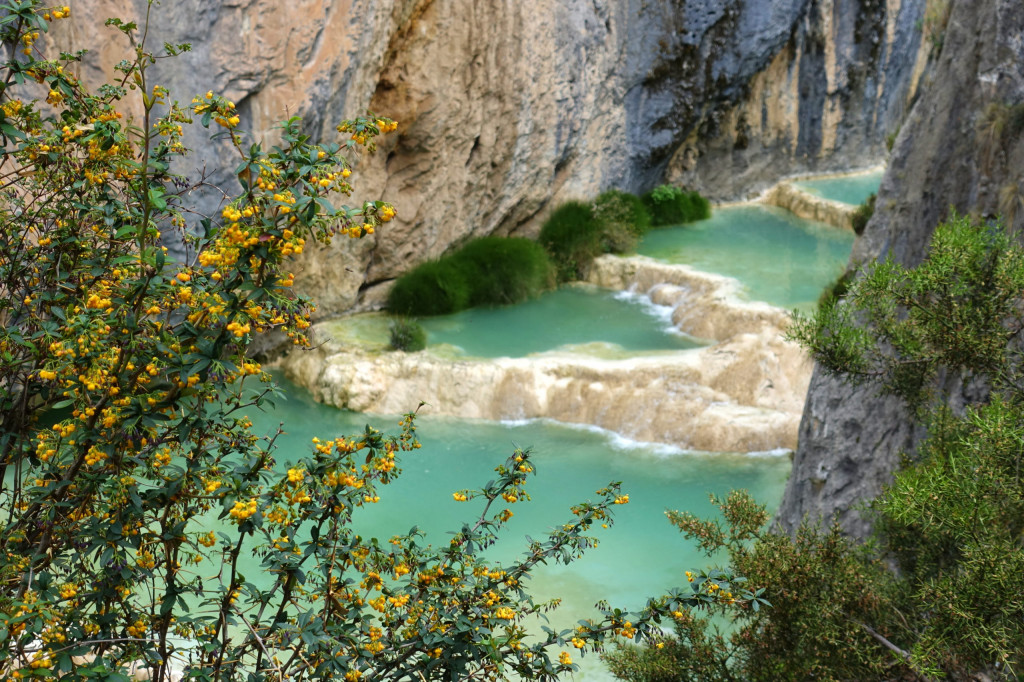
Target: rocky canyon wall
962, 149
507, 108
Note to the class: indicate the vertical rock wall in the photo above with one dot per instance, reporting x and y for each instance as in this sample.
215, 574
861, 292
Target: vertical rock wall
961, 149
507, 108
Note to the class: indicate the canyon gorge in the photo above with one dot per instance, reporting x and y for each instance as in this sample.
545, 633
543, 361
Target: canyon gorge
507, 109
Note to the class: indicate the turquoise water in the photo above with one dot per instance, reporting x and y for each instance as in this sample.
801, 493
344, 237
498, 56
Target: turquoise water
849, 189
777, 257
640, 556
568, 317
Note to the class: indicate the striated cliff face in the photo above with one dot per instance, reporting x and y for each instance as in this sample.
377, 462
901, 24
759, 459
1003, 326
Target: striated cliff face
507, 108
961, 148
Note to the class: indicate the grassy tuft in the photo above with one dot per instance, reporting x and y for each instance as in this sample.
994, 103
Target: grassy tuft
407, 335
431, 288
625, 209
486, 271
572, 237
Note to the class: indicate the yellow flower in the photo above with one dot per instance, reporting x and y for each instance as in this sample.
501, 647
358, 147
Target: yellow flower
564, 658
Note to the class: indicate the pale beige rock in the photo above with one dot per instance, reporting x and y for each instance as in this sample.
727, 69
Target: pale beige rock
744, 393
805, 205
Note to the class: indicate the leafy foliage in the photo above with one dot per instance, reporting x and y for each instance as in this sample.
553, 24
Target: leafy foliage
131, 482
958, 309
820, 588
952, 519
669, 205
577, 232
622, 213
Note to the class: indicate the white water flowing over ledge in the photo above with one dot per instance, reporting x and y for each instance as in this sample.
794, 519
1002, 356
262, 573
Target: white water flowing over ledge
744, 393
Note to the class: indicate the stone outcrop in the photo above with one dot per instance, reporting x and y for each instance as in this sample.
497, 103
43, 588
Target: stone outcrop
962, 149
508, 108
741, 394
805, 205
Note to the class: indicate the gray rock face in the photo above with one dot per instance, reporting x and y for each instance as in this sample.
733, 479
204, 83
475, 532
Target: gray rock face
961, 149
509, 108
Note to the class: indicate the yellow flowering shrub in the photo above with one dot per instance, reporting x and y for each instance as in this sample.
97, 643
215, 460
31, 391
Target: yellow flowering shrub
122, 375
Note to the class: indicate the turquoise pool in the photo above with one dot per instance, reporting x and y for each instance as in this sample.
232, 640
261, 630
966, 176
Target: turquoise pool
849, 189
777, 257
640, 556
572, 316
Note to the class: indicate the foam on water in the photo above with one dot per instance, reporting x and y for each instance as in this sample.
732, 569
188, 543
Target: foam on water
662, 313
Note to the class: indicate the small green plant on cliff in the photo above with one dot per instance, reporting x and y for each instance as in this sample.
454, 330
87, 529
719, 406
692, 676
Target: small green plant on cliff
935, 21
863, 214
951, 520
131, 482
485, 271
406, 335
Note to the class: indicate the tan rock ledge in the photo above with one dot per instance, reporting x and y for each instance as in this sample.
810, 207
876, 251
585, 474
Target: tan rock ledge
742, 393
809, 207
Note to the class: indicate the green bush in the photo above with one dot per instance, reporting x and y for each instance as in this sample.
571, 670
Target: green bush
622, 208
486, 271
432, 288
863, 214
670, 205
572, 237
504, 270
407, 335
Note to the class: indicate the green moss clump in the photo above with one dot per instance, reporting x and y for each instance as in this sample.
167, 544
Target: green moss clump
670, 205
407, 335
863, 214
572, 237
486, 271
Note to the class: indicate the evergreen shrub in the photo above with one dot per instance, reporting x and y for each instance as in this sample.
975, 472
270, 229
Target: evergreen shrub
670, 205
950, 522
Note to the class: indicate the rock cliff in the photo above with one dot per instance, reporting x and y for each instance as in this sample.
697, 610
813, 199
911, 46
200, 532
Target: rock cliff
962, 148
507, 108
